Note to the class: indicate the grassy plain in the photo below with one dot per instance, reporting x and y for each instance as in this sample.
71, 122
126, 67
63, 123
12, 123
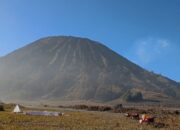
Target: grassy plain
83, 120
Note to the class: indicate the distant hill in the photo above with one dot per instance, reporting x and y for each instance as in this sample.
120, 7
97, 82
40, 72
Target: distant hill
71, 68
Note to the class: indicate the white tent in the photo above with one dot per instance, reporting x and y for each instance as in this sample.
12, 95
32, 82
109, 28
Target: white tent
17, 109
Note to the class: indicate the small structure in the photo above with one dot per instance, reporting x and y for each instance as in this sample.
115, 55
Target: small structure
17, 109
43, 113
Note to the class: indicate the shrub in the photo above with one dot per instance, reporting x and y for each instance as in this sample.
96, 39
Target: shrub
80, 106
118, 107
133, 96
1, 108
92, 108
104, 108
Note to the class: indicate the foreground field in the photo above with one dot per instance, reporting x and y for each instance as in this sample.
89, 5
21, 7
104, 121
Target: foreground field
83, 120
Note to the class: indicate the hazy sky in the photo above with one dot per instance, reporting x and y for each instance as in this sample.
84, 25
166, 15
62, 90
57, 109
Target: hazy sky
146, 32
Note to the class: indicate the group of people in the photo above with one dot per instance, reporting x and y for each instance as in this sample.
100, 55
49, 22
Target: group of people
142, 119
146, 118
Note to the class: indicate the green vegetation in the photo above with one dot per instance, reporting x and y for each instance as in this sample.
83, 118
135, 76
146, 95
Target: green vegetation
92, 107
133, 96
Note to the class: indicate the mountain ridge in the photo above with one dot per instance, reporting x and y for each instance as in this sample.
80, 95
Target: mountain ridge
74, 68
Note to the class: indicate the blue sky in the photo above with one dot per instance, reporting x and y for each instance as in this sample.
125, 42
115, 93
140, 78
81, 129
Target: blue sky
144, 31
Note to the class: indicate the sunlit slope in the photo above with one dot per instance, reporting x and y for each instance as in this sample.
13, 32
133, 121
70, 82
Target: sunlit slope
74, 68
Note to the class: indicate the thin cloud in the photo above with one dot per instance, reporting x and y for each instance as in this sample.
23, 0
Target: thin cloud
150, 49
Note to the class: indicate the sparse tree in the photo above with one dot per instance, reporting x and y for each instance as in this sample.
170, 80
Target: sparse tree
133, 96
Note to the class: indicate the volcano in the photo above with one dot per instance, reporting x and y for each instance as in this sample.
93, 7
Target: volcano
73, 68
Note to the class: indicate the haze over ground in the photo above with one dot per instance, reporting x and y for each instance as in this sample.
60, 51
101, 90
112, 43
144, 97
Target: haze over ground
71, 68
145, 32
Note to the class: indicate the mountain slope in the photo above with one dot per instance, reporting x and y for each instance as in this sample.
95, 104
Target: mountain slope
74, 68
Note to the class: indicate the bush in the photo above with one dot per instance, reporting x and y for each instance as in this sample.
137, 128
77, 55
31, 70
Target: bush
133, 96
80, 107
1, 108
99, 108
105, 108
92, 108
118, 107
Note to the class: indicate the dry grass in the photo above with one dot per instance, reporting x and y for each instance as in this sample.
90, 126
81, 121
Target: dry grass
83, 120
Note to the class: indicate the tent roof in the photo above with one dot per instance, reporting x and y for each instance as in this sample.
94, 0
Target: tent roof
17, 109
